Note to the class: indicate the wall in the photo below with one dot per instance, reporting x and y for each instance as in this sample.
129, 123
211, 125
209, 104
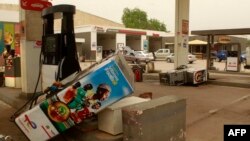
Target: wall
86, 50
155, 43
107, 41
83, 18
30, 33
134, 42
9, 7
30, 67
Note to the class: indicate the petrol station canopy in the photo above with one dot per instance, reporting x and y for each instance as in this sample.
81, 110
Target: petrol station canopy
197, 42
239, 31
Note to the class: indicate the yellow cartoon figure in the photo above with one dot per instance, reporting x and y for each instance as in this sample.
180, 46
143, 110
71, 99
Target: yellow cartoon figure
8, 38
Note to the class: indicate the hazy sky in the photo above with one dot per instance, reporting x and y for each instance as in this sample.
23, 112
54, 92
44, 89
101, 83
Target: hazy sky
204, 14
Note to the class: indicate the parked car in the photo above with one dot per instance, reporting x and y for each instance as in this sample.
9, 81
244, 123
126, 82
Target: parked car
223, 54
128, 54
191, 58
125, 50
243, 57
161, 53
136, 59
144, 56
131, 58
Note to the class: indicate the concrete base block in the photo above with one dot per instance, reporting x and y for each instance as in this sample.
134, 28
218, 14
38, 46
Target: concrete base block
14, 82
150, 67
110, 119
162, 119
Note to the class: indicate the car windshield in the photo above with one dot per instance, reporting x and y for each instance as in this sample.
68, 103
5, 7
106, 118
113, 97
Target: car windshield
222, 51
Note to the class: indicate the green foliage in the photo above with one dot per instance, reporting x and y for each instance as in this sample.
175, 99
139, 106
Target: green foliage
154, 24
136, 18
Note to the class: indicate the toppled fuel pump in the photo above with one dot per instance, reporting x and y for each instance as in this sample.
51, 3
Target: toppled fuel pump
89, 92
96, 89
183, 75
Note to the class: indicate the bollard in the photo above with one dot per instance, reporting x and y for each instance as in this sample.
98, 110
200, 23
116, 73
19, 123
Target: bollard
138, 73
150, 67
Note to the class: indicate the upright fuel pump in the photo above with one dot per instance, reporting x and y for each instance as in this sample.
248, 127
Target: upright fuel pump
247, 66
233, 58
59, 49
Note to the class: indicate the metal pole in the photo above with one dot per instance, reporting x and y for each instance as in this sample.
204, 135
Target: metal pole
208, 52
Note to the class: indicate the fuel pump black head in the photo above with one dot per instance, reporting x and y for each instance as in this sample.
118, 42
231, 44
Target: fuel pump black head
60, 48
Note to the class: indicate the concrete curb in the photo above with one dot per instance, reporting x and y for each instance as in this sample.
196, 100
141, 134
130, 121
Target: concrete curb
155, 77
231, 84
151, 76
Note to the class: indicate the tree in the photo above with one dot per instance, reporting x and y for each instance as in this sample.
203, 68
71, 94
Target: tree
154, 24
137, 18
134, 18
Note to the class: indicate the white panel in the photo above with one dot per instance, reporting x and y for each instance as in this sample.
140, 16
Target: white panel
48, 75
29, 66
36, 125
120, 40
248, 56
93, 39
232, 64
9, 16
80, 40
9, 81
83, 29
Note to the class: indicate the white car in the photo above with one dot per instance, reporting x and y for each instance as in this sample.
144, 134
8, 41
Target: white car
191, 58
162, 53
144, 55
125, 50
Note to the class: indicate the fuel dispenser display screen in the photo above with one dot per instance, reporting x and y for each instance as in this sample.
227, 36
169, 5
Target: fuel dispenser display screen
51, 49
50, 44
232, 53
